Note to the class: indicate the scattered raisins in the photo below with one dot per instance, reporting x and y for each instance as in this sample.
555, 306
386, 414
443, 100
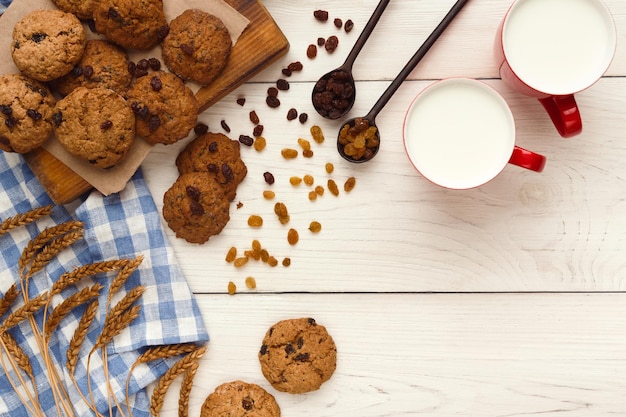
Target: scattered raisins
162, 32
338, 23
286, 72
154, 64
288, 153
332, 187
319, 190
231, 255
307, 153
241, 101
250, 283
282, 84
316, 132
106, 125
315, 227
331, 43
143, 64
260, 143
272, 101
292, 114
269, 195
255, 221
254, 118
269, 177
349, 184
201, 129
320, 15
308, 179
280, 209
272, 261
272, 91
257, 131
321, 41
241, 261
246, 140
348, 26
225, 126
311, 51
292, 236
312, 195
295, 180
329, 167
286, 262
304, 144
232, 288
295, 66
303, 118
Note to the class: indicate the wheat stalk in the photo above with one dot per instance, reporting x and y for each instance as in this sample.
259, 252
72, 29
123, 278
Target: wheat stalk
116, 326
23, 219
18, 354
76, 343
67, 305
84, 271
121, 278
163, 384
24, 312
185, 390
51, 250
8, 298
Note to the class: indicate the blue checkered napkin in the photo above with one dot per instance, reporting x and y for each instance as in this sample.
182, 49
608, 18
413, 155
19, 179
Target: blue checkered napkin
123, 225
4, 4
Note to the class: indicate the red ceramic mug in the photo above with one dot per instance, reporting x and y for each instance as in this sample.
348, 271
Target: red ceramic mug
552, 49
459, 133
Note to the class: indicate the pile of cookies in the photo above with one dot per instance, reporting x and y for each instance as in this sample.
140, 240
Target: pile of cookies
89, 94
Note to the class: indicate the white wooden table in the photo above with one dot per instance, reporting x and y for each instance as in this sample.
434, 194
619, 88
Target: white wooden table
506, 300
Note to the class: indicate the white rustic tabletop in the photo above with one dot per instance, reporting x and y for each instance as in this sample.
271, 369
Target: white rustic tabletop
505, 300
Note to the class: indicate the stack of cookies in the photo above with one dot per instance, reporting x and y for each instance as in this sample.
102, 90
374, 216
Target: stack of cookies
89, 94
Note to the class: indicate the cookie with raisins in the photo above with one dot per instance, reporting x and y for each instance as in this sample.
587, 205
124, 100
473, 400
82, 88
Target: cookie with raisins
83, 9
218, 155
47, 44
240, 399
166, 109
135, 24
297, 355
95, 124
197, 47
26, 108
103, 64
195, 207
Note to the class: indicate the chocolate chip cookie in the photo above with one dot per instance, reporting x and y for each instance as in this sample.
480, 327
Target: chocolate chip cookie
103, 64
218, 155
95, 124
297, 355
197, 46
136, 24
26, 108
47, 44
195, 207
240, 399
166, 108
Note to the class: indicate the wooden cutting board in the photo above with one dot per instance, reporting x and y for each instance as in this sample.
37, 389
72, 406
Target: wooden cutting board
261, 44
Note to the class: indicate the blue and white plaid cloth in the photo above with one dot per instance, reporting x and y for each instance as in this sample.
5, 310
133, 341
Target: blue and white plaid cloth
122, 225
3, 5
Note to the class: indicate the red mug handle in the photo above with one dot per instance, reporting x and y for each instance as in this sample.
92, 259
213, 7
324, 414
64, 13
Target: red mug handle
527, 159
564, 113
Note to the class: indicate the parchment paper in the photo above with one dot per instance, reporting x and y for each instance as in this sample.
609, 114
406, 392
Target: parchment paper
113, 179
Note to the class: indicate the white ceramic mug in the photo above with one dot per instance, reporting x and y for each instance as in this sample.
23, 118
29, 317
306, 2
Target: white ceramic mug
552, 49
459, 133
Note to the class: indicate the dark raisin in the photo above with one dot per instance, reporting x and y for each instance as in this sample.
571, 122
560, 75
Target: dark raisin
16, 45
289, 349
77, 71
132, 67
225, 126
295, 66
300, 343
348, 26
143, 113
57, 118
33, 114
140, 73
212, 168
196, 208
331, 43
282, 84
321, 41
286, 72
155, 83
6, 110
227, 172
338, 23
107, 124
254, 118
38, 37
272, 101
311, 321
193, 193
311, 51
292, 114
320, 15
10, 122
269, 177
162, 32
213, 147
303, 118
143, 64
241, 101
257, 131
263, 350
36, 89
4, 141
301, 357
201, 129
247, 404
154, 64
87, 71
272, 91
113, 14
187, 49
246, 140
154, 122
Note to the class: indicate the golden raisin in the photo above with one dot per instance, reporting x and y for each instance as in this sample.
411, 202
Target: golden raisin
308, 153
281, 211
317, 134
295, 180
256, 245
332, 187
319, 190
255, 221
304, 144
288, 153
232, 288
241, 261
260, 143
329, 167
349, 184
265, 255
312, 195
250, 283
271, 261
315, 227
292, 236
268, 195
286, 261
231, 255
308, 179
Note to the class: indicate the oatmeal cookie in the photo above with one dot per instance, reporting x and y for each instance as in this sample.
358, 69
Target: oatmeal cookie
195, 207
103, 64
240, 399
47, 44
83, 9
297, 355
95, 124
26, 108
197, 46
135, 24
166, 108
218, 155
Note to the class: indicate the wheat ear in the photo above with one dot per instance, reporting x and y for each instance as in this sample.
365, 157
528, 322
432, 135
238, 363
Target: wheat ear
84, 271
121, 278
24, 219
51, 250
163, 384
24, 312
124, 304
185, 390
18, 354
8, 298
76, 343
66, 306
116, 326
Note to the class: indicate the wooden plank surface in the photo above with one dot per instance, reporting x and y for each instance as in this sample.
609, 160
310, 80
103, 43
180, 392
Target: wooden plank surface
259, 45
